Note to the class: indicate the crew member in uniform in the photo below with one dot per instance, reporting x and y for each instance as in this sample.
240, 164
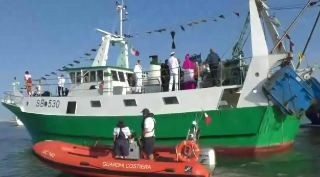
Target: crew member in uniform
121, 134
174, 72
138, 76
148, 133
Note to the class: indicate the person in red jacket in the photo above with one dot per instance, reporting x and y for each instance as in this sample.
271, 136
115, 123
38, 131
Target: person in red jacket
28, 82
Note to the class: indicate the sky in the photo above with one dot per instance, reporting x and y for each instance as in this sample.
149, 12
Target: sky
42, 36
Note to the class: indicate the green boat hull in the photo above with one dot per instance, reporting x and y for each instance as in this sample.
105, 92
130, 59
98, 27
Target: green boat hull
239, 131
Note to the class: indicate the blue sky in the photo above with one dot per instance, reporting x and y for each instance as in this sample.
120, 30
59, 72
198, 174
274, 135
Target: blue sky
42, 36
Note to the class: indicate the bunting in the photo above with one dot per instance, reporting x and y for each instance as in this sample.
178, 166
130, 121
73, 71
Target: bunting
173, 46
182, 26
133, 51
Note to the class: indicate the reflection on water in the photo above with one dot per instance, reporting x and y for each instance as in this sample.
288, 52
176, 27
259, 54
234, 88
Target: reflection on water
303, 160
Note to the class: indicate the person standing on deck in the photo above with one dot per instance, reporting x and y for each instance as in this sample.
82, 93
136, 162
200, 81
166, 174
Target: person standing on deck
61, 85
174, 72
121, 134
138, 76
165, 76
148, 126
188, 66
38, 89
213, 60
28, 82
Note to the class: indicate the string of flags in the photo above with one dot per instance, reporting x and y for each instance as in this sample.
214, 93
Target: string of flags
183, 26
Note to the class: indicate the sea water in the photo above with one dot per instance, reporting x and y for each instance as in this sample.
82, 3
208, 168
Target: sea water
303, 160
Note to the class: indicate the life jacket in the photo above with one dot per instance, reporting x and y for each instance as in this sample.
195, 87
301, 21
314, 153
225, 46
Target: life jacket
121, 135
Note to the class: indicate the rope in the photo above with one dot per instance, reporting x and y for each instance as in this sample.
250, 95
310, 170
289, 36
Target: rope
311, 33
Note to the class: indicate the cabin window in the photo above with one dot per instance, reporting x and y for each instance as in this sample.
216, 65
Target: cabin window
170, 100
100, 75
130, 79
95, 104
71, 108
92, 76
130, 102
85, 76
78, 77
114, 75
72, 77
121, 76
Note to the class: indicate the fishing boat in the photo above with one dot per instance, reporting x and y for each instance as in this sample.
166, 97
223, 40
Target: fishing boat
247, 117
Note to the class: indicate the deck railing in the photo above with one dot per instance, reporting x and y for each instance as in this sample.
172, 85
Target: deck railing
228, 73
10, 98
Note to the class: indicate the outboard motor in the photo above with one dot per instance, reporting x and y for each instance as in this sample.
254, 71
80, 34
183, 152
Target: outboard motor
207, 156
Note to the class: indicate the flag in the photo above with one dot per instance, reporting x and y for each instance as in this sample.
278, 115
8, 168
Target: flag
196, 58
160, 30
280, 46
300, 59
291, 46
182, 28
275, 21
134, 51
222, 16
288, 37
208, 119
313, 3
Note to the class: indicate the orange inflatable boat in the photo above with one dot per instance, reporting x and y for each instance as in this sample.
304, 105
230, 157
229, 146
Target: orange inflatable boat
85, 161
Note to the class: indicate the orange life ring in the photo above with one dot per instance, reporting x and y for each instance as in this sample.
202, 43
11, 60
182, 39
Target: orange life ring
192, 148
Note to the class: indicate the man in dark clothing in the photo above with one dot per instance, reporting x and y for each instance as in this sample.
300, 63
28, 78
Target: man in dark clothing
213, 60
121, 134
165, 76
148, 126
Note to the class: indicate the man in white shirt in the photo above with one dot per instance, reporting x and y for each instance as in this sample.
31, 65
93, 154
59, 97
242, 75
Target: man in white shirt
148, 133
138, 76
174, 72
121, 134
38, 89
61, 85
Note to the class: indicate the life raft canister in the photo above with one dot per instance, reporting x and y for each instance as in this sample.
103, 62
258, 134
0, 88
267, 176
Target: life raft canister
188, 151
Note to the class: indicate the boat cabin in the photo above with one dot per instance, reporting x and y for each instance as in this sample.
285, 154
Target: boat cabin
89, 80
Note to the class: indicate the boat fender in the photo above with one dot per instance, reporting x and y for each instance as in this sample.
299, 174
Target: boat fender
182, 155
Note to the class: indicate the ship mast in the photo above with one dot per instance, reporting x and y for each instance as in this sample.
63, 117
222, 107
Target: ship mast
113, 39
121, 7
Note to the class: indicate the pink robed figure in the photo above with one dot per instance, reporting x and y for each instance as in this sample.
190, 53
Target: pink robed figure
188, 66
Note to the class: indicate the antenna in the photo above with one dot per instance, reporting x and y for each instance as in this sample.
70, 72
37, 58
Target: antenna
121, 7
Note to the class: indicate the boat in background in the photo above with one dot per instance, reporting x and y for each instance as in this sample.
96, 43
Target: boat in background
16, 121
245, 119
